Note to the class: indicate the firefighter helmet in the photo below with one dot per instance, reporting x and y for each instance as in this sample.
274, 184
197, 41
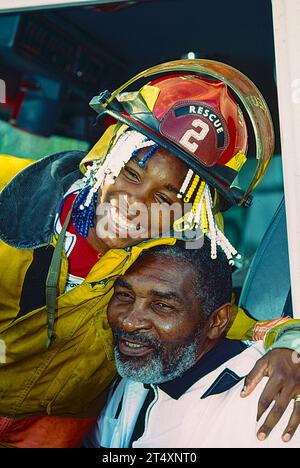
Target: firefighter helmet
196, 109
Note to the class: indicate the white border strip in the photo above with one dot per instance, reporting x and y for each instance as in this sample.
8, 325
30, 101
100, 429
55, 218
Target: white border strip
9, 6
286, 18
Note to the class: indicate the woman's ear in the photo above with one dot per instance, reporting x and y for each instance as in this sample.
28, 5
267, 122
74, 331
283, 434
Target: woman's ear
219, 321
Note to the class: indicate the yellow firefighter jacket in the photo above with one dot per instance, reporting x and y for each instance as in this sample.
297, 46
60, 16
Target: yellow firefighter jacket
68, 377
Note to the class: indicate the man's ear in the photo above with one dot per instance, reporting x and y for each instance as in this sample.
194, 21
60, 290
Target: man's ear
219, 321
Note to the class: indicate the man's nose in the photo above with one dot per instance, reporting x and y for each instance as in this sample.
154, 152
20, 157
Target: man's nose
136, 319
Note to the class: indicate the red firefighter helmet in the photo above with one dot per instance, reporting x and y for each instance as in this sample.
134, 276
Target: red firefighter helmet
193, 109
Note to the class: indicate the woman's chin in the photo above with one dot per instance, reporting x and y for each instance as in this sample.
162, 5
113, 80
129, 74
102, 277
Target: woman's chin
120, 239
114, 242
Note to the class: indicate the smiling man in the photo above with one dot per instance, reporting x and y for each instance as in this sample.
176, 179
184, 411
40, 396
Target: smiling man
180, 379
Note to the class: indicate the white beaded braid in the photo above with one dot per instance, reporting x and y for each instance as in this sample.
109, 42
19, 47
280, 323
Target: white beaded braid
211, 222
202, 216
185, 183
119, 155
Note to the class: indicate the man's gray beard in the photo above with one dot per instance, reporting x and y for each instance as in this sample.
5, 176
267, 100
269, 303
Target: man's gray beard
155, 371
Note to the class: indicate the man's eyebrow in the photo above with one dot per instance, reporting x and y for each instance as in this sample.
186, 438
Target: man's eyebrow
166, 295
122, 283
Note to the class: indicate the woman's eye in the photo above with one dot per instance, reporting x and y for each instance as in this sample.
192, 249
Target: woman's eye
131, 174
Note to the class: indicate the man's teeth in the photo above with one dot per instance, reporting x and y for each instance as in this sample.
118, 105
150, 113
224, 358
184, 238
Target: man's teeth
133, 345
121, 220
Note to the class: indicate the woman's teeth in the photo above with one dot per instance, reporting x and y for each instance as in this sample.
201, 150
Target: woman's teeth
121, 221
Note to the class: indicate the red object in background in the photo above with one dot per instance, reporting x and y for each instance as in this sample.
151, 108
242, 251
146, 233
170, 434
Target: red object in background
115, 6
25, 87
36, 105
12, 84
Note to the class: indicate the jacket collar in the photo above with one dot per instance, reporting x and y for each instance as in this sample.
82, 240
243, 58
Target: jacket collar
223, 352
28, 204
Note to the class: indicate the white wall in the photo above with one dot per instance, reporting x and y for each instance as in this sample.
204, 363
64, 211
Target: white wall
18, 5
286, 17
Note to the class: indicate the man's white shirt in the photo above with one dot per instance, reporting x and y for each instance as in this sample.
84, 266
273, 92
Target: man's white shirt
205, 415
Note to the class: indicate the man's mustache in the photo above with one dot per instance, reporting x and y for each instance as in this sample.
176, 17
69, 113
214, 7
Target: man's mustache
119, 333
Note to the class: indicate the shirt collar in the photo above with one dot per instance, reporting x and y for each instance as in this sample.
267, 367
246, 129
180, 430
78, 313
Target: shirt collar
217, 356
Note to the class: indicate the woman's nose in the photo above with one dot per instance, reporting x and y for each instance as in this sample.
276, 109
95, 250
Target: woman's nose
141, 193
137, 198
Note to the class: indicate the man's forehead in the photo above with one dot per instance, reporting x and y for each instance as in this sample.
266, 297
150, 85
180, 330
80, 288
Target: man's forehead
161, 271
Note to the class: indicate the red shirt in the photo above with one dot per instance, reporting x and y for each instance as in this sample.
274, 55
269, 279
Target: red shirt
82, 256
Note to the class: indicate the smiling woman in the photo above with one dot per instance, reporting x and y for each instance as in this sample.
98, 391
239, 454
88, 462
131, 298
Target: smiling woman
132, 201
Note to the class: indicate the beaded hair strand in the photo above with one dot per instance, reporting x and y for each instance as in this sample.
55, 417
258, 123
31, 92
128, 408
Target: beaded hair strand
126, 147
201, 215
